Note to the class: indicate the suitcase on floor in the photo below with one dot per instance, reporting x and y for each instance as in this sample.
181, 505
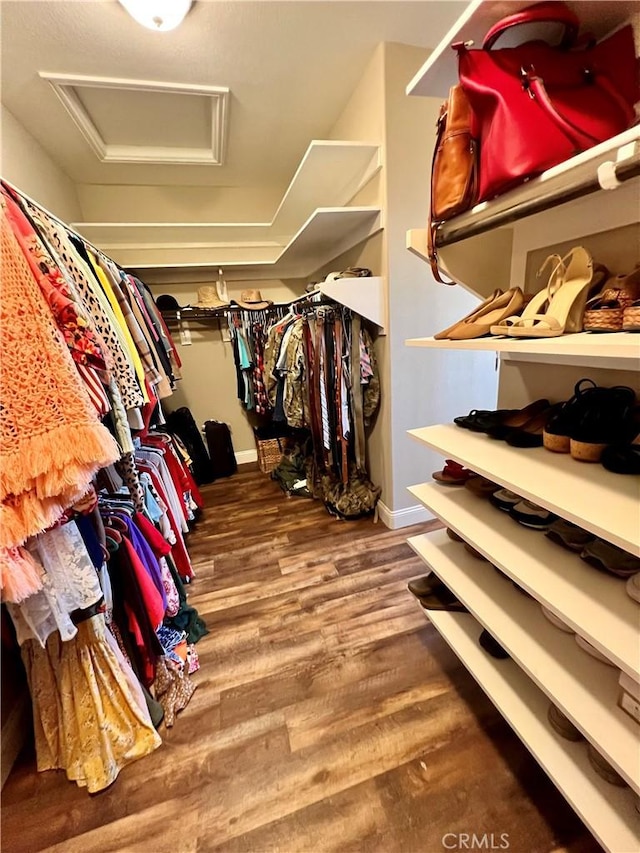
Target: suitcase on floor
182, 423
223, 458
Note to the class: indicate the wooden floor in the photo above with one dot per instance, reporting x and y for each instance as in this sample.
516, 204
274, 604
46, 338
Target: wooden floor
329, 716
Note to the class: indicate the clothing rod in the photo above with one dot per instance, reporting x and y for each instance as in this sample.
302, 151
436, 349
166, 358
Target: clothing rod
61, 222
449, 235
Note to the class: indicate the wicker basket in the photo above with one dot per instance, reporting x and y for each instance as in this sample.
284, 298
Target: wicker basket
270, 452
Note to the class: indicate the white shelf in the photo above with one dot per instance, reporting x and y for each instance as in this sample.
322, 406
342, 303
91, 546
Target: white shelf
622, 346
440, 71
585, 689
593, 603
608, 811
606, 504
328, 177
366, 296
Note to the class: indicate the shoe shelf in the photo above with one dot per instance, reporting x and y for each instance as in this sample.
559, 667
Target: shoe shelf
593, 603
584, 688
622, 346
607, 811
606, 504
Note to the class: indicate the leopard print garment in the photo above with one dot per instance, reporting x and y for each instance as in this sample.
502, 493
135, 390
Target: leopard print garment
122, 369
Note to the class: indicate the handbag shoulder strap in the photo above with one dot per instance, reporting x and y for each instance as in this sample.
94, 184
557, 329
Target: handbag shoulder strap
432, 254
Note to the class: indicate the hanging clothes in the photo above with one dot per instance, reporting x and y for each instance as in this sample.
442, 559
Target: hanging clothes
52, 441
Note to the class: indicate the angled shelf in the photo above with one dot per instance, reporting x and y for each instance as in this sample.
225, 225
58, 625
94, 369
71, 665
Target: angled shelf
606, 504
330, 174
440, 71
608, 811
593, 603
584, 689
624, 347
366, 296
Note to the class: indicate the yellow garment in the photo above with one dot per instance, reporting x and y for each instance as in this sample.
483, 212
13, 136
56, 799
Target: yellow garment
135, 356
87, 720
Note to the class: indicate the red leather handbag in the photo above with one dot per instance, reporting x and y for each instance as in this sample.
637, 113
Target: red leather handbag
535, 105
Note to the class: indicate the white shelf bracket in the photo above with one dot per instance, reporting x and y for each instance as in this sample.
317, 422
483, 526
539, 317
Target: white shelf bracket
607, 177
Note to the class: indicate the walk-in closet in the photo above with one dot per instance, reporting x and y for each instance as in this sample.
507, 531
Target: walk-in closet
320, 426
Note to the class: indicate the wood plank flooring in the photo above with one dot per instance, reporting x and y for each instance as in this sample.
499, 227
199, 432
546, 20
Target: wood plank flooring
329, 715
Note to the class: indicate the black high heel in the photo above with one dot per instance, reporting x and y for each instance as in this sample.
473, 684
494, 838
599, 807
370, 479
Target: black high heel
516, 419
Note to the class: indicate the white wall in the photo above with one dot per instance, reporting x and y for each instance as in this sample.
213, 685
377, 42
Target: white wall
117, 203
363, 119
25, 163
427, 386
208, 384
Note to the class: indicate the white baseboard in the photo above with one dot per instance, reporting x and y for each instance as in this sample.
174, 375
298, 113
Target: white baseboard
245, 456
403, 517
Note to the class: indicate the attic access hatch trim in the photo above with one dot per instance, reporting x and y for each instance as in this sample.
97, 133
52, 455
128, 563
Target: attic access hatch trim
66, 85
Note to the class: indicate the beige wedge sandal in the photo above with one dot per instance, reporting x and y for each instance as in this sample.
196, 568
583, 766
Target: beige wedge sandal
566, 308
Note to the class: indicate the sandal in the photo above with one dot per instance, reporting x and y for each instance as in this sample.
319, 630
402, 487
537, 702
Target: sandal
555, 435
609, 558
566, 307
561, 724
633, 587
587, 647
479, 324
569, 535
453, 474
539, 300
606, 418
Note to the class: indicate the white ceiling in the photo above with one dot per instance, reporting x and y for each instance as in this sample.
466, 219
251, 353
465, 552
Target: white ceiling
290, 67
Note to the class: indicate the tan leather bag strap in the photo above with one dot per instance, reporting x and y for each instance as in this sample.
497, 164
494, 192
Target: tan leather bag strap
432, 252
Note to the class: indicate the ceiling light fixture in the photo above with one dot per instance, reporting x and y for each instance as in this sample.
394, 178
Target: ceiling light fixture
160, 15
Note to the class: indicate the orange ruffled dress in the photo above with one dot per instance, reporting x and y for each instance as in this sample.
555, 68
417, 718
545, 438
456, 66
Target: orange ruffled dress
51, 441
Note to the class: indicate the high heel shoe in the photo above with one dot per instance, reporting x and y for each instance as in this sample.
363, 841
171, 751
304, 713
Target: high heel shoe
531, 434
514, 419
538, 302
566, 307
479, 324
477, 311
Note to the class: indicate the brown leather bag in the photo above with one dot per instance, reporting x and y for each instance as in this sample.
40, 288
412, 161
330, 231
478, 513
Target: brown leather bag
454, 171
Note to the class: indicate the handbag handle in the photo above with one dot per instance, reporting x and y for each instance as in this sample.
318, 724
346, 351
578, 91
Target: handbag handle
546, 12
537, 90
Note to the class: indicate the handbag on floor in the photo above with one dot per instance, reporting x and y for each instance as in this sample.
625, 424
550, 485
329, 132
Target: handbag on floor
537, 104
223, 457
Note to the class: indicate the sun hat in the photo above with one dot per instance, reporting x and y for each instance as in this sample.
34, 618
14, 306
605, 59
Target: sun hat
252, 299
208, 298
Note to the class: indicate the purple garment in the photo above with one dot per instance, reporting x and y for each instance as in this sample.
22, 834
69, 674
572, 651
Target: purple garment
147, 557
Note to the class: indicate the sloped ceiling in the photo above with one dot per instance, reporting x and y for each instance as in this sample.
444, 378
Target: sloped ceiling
290, 68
